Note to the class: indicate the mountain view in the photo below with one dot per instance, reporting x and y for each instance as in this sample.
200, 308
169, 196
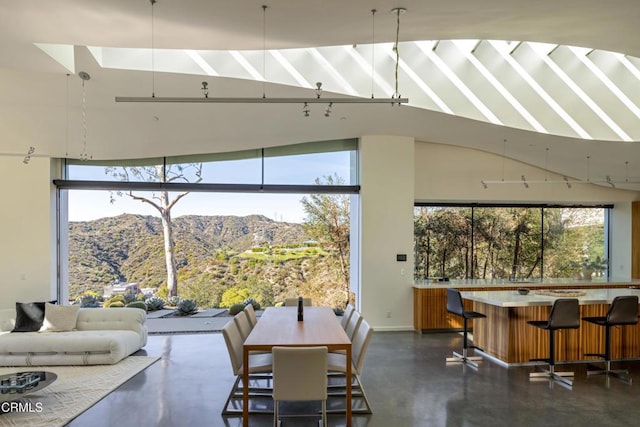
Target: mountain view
221, 259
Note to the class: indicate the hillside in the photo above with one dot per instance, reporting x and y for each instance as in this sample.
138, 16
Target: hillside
221, 259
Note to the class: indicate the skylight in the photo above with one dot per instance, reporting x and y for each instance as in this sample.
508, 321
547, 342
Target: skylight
532, 86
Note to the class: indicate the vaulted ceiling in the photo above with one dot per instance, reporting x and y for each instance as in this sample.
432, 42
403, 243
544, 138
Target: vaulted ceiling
552, 84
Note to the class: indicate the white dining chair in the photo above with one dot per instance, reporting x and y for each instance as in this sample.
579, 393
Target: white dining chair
251, 315
337, 362
244, 325
353, 325
299, 374
346, 316
260, 365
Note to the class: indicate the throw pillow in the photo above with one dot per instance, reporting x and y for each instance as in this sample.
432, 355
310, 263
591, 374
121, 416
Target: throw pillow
59, 318
29, 316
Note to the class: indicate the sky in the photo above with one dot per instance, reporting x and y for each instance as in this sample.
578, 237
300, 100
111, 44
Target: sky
86, 205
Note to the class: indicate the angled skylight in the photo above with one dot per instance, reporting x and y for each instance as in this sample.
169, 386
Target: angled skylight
547, 88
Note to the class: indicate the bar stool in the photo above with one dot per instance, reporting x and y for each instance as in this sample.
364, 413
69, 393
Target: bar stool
456, 307
622, 311
565, 314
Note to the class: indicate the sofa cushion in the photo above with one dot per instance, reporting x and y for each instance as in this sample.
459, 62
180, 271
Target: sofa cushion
67, 348
59, 318
29, 316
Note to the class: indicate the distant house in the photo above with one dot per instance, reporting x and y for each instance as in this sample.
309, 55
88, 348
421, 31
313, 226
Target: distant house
121, 288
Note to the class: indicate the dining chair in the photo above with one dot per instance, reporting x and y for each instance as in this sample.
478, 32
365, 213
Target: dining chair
244, 325
348, 311
260, 367
251, 315
337, 363
622, 311
354, 324
293, 302
299, 374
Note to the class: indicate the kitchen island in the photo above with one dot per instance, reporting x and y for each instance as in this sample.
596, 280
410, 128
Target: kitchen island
430, 297
505, 335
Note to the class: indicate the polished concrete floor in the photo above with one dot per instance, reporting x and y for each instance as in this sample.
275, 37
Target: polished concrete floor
405, 377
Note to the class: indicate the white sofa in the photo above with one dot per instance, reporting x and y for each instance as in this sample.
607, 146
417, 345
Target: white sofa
103, 336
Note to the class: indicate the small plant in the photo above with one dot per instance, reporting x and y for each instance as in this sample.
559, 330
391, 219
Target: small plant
137, 304
186, 307
114, 299
154, 303
115, 304
174, 301
88, 301
129, 297
235, 309
253, 302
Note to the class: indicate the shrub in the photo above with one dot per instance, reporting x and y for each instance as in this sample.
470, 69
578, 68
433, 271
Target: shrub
253, 302
137, 304
235, 309
115, 304
234, 296
114, 298
154, 303
186, 307
89, 300
129, 297
174, 300
162, 291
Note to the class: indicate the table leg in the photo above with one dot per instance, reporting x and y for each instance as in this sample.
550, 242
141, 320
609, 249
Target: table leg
245, 388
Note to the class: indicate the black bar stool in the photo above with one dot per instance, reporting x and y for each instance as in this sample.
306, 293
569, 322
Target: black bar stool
622, 311
565, 314
455, 306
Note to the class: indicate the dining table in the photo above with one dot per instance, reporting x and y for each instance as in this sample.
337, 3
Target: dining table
279, 326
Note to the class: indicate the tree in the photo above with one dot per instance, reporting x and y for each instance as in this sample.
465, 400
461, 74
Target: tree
327, 222
161, 201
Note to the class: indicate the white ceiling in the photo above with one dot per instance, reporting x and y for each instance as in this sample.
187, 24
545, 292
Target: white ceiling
41, 107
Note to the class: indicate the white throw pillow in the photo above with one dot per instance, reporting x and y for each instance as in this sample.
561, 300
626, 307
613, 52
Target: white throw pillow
59, 318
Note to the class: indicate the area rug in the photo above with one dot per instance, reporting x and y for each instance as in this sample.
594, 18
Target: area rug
76, 389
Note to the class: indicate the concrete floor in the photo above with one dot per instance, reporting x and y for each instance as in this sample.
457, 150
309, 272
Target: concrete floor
405, 377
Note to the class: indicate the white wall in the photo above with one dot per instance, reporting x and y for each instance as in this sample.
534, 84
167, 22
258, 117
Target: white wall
394, 172
27, 230
448, 173
386, 229
620, 250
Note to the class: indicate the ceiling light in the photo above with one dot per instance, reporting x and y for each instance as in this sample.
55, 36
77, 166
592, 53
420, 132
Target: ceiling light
327, 112
395, 99
27, 158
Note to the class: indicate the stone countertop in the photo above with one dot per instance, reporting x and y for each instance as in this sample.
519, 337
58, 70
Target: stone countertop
480, 283
514, 299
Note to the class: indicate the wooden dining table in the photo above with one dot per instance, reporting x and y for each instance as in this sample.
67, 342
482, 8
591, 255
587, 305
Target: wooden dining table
279, 326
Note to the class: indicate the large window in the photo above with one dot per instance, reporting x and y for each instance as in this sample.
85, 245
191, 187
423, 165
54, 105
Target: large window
219, 229
515, 243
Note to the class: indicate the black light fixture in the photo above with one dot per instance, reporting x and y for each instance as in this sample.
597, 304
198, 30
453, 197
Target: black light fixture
396, 99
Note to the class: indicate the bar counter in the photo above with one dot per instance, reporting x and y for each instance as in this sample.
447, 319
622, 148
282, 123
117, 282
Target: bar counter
430, 298
506, 336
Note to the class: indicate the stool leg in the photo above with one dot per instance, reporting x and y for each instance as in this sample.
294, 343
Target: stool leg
621, 374
551, 374
463, 358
